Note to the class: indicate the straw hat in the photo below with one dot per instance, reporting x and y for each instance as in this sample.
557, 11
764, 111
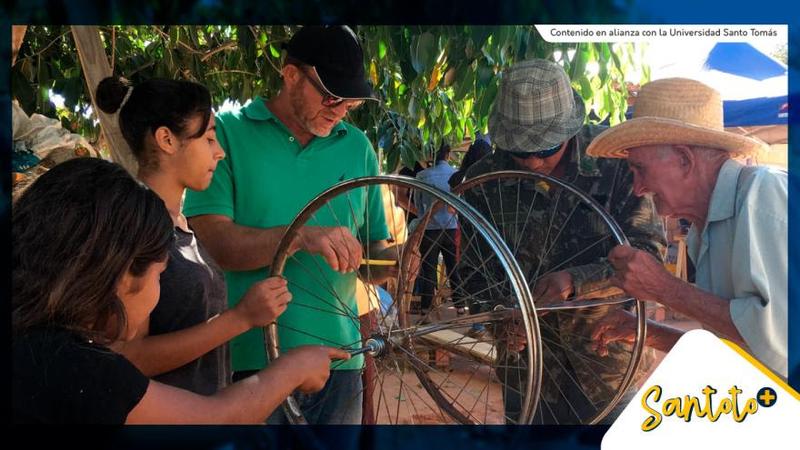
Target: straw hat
673, 111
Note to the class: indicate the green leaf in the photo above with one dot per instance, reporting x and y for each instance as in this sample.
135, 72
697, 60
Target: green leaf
381, 50
599, 106
605, 57
617, 62
424, 55
274, 51
174, 34
489, 60
578, 63
388, 137
73, 89
479, 35
522, 38
407, 70
407, 155
436, 111
392, 160
448, 126
486, 100
505, 45
422, 119
586, 90
485, 75
465, 84
412, 107
45, 106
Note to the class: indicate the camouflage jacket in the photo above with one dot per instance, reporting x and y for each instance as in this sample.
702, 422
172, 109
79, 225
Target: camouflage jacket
576, 245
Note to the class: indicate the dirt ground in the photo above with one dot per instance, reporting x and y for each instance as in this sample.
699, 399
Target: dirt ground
401, 398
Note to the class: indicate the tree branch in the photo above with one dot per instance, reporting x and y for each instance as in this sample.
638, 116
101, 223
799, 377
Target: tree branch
244, 72
225, 46
181, 43
48, 45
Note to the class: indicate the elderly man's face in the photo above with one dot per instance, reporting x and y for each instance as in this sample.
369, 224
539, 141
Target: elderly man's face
312, 115
657, 172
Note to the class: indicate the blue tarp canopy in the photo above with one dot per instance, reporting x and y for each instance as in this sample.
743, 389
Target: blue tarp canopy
743, 60
756, 111
753, 85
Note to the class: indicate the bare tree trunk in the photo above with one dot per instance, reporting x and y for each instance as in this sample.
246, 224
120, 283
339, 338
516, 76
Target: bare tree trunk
96, 67
17, 35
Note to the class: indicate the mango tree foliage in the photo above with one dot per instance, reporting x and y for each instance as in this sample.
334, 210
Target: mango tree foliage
436, 83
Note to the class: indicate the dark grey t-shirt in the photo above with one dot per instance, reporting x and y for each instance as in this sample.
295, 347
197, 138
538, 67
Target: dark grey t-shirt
192, 291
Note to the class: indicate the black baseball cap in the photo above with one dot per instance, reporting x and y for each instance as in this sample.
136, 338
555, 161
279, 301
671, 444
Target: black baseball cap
336, 54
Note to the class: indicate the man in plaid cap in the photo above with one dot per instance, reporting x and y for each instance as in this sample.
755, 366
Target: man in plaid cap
537, 124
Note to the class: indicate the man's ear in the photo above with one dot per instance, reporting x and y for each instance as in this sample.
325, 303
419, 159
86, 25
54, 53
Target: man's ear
687, 159
291, 74
166, 141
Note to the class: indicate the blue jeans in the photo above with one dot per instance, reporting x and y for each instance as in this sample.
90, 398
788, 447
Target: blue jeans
338, 403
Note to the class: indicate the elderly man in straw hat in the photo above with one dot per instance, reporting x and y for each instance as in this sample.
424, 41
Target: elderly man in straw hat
681, 157
537, 124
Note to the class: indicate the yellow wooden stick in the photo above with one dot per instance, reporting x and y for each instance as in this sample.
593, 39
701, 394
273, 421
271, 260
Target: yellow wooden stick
377, 262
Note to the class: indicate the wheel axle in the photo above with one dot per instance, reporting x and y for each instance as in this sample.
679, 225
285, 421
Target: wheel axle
375, 346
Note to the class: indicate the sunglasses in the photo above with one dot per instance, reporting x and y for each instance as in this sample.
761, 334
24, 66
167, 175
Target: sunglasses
540, 154
328, 100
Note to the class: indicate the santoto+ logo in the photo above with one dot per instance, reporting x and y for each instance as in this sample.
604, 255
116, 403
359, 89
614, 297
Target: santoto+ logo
687, 406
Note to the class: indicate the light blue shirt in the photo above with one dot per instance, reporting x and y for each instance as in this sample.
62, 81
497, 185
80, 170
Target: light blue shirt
742, 255
436, 176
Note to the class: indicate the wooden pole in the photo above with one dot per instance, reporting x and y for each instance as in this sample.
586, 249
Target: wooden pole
17, 35
95, 66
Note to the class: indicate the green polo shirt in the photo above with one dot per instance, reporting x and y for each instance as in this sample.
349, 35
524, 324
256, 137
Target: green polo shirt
265, 179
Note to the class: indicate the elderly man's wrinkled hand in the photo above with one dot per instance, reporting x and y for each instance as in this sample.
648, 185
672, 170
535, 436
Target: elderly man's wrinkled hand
639, 274
617, 326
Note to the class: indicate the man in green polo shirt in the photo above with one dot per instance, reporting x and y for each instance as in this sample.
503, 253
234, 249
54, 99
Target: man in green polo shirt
281, 153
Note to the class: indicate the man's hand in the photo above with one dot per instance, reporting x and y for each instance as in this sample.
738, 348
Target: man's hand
639, 273
617, 326
336, 245
512, 333
552, 288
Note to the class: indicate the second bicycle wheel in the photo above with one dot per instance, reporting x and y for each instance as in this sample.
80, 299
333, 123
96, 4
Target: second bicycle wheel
429, 361
556, 232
